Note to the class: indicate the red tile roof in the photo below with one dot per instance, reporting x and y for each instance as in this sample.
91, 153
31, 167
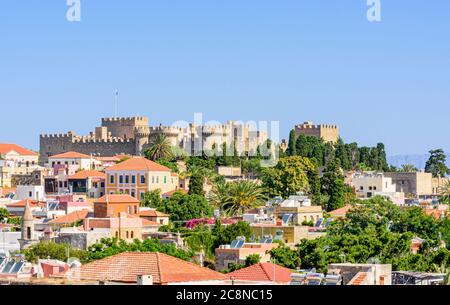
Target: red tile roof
88, 174
361, 277
22, 203
125, 267
341, 212
6, 148
71, 217
263, 272
138, 164
70, 155
117, 198
169, 194
152, 213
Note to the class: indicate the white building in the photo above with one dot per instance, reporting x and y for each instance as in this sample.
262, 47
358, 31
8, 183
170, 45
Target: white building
370, 184
34, 192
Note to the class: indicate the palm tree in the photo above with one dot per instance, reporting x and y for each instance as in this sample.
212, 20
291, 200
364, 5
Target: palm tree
219, 195
408, 168
159, 148
243, 195
444, 190
444, 270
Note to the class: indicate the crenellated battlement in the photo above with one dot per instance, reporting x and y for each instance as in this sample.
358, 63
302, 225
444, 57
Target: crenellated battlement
133, 119
94, 140
68, 135
168, 129
310, 125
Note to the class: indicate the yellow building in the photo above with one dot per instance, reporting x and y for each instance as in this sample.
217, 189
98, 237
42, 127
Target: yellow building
138, 175
15, 160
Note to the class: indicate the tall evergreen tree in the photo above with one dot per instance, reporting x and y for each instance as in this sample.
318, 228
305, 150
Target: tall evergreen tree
291, 151
436, 164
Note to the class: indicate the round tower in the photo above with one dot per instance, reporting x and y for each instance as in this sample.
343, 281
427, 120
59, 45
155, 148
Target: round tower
141, 137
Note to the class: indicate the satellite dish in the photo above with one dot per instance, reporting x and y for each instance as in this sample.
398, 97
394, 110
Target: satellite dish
74, 262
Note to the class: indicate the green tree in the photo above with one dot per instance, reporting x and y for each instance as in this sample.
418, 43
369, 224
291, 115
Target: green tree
332, 183
183, 207
242, 195
285, 256
159, 148
196, 182
436, 164
408, 168
4, 214
112, 246
152, 199
252, 259
288, 177
53, 250
225, 235
291, 150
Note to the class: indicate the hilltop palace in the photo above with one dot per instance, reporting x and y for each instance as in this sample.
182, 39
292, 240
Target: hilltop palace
133, 134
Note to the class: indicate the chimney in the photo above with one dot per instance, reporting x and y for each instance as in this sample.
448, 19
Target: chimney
144, 280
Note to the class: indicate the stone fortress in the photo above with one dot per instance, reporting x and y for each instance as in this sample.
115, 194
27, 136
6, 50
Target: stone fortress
329, 133
132, 135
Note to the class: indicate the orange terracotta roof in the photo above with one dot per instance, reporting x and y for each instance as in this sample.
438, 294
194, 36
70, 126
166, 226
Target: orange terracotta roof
70, 155
169, 194
117, 198
125, 267
71, 217
6, 148
263, 272
341, 212
437, 214
145, 222
140, 164
87, 174
152, 213
23, 203
360, 279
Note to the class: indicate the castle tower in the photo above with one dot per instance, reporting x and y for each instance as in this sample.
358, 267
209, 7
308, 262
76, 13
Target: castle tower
28, 235
141, 138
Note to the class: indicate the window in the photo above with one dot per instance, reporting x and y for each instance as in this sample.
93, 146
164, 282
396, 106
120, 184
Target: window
127, 179
374, 188
102, 184
129, 210
142, 179
142, 195
133, 179
165, 179
370, 188
120, 179
28, 232
135, 209
361, 188
30, 194
153, 179
117, 234
133, 194
111, 179
161, 221
128, 235
157, 179
132, 234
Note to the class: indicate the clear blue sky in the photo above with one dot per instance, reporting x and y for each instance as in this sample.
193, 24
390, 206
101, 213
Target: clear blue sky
286, 60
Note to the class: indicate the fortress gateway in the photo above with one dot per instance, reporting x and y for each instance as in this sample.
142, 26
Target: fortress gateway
133, 134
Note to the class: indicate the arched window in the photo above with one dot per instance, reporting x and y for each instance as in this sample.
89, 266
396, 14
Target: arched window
128, 235
117, 234
132, 234
28, 232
